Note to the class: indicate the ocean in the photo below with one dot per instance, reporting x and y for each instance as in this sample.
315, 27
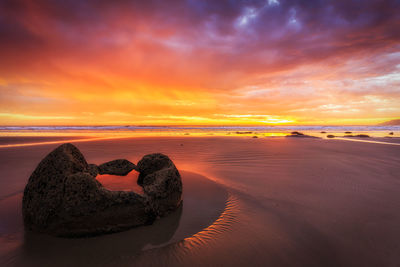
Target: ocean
131, 130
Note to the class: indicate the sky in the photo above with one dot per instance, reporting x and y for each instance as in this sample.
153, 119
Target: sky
193, 62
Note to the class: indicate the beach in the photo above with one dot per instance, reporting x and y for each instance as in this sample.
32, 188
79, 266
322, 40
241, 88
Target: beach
267, 201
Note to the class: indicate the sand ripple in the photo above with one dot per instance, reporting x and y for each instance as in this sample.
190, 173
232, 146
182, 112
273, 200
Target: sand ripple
221, 225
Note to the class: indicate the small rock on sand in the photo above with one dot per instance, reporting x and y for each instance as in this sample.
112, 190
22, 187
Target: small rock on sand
298, 134
117, 167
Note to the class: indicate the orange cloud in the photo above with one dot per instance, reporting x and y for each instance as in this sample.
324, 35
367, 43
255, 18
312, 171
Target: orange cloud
96, 62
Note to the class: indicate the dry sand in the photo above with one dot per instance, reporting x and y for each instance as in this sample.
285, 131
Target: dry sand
273, 202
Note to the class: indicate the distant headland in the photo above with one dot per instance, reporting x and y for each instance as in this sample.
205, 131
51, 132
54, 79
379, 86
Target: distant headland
390, 123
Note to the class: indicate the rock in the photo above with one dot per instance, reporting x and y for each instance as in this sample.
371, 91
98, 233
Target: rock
347, 132
63, 198
161, 183
298, 134
117, 167
362, 135
358, 135
90, 209
93, 169
391, 133
323, 132
330, 136
151, 163
43, 195
255, 136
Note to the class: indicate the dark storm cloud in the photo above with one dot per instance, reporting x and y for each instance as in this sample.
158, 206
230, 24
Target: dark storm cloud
269, 23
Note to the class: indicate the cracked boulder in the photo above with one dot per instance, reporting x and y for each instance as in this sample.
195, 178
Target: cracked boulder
63, 198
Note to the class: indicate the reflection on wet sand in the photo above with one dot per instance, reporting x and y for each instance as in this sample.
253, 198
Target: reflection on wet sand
368, 141
47, 250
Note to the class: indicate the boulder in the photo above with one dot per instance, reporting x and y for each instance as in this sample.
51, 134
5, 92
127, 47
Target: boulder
63, 198
151, 163
44, 193
161, 183
117, 167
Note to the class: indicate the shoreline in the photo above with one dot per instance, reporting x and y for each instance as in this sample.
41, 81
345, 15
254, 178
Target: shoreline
26, 141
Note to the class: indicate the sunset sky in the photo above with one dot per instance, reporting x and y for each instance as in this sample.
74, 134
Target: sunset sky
199, 62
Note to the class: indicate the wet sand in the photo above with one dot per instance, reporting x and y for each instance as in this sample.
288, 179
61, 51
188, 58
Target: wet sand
247, 202
12, 140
